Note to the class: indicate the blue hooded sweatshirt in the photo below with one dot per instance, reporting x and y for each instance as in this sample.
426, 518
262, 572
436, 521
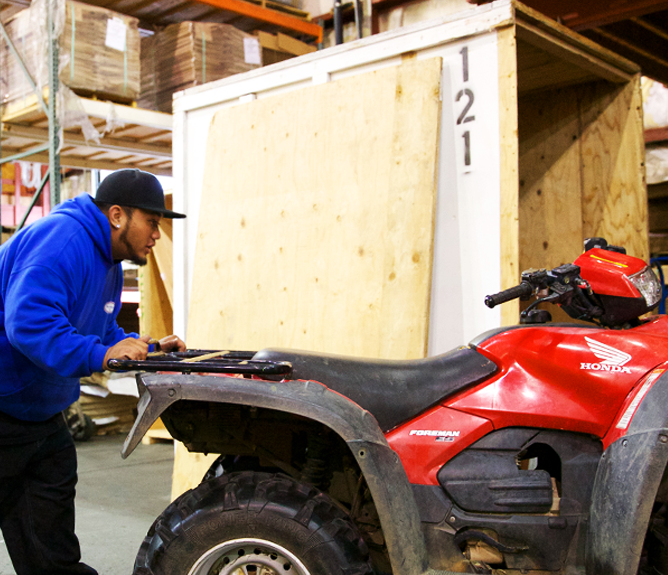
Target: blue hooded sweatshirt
60, 294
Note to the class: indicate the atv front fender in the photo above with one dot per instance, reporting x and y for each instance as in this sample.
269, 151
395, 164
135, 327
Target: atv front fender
382, 468
627, 481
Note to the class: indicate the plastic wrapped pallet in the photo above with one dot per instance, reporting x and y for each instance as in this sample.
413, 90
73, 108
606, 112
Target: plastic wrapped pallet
98, 51
188, 54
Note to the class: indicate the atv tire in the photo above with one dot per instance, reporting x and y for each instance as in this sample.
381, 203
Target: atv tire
251, 522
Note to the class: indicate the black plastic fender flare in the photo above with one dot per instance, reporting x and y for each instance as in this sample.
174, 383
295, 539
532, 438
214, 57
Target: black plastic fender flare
381, 466
627, 481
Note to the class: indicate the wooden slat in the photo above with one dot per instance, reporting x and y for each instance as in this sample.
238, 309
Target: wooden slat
571, 59
155, 308
633, 47
539, 70
163, 255
579, 15
293, 46
566, 39
615, 197
508, 110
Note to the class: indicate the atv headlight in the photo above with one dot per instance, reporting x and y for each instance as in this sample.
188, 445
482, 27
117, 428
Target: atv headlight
648, 285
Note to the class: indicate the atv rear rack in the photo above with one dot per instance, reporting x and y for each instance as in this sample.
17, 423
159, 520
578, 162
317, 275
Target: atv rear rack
232, 362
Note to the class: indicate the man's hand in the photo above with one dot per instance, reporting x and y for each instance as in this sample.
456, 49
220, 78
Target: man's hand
172, 343
129, 348
167, 343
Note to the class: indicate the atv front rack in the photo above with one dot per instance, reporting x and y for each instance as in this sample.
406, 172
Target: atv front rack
232, 362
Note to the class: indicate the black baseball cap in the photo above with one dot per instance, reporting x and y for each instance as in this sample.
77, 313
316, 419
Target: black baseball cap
135, 189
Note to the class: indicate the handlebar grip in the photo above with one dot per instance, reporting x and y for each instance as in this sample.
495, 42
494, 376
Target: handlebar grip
522, 290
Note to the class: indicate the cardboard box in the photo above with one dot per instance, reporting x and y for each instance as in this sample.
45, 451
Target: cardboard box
99, 51
189, 54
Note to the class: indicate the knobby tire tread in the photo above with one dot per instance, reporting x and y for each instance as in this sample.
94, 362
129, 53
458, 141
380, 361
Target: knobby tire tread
313, 525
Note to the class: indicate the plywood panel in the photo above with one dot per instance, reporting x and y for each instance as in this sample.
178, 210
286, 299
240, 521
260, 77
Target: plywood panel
550, 182
316, 226
613, 173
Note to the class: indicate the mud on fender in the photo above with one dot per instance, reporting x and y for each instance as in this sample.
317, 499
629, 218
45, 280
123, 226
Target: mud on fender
627, 481
384, 473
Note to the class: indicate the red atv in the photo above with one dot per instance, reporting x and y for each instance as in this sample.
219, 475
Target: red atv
536, 448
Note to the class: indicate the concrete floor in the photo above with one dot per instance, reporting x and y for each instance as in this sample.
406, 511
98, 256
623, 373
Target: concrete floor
117, 501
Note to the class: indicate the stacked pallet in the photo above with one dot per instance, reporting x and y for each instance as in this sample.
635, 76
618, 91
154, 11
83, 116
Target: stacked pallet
279, 47
188, 54
99, 51
112, 414
110, 400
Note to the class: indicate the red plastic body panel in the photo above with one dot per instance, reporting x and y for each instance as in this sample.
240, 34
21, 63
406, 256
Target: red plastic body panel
564, 377
551, 377
426, 443
607, 272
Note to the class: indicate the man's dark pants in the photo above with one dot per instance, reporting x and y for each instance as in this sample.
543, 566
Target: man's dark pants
38, 476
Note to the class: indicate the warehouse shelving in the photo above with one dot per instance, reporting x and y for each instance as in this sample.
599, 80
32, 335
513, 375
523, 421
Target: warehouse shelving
138, 138
143, 138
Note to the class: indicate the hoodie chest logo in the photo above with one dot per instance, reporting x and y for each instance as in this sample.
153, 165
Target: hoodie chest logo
109, 307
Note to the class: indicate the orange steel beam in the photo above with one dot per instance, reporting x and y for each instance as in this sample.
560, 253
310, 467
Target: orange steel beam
656, 135
267, 15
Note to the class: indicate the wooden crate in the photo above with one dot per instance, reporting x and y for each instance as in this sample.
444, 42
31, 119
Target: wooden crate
581, 152
99, 49
538, 145
555, 155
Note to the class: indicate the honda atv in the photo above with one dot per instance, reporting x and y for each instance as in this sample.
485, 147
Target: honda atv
537, 448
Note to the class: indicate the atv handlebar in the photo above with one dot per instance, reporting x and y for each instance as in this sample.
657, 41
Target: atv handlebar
562, 285
523, 290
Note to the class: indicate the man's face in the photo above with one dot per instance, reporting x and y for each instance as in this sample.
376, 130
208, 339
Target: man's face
139, 235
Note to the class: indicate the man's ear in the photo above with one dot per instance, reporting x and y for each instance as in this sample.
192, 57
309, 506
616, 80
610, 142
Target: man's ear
116, 217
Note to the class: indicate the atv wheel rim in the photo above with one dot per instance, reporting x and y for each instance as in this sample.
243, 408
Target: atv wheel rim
248, 557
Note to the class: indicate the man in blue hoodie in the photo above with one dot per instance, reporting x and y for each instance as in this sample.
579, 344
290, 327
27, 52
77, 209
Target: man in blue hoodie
60, 294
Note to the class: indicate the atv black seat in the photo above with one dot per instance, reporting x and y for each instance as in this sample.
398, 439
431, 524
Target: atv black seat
392, 391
